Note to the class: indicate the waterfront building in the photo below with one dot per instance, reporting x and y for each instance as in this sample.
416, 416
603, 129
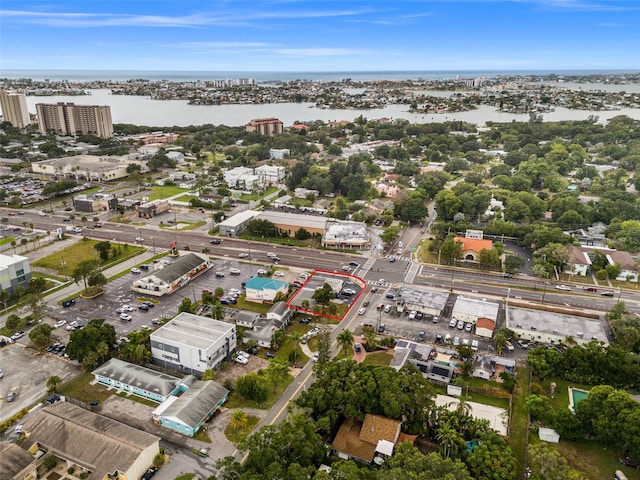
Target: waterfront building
72, 119
265, 126
14, 108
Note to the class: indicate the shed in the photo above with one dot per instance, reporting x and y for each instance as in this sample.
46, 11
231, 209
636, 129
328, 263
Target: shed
548, 435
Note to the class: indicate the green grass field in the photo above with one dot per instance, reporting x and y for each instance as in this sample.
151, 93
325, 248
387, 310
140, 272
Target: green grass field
166, 191
381, 359
236, 435
74, 254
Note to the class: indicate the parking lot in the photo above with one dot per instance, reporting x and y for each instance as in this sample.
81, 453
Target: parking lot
402, 326
25, 373
118, 293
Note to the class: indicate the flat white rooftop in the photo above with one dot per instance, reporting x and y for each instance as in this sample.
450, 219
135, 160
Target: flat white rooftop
192, 330
475, 307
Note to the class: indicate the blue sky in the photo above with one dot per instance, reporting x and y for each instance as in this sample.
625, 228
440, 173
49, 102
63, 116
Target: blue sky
300, 35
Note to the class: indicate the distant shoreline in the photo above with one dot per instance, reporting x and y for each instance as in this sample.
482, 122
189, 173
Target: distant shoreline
176, 75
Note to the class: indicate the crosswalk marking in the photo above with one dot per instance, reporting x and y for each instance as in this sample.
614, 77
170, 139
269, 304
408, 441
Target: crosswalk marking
405, 259
375, 282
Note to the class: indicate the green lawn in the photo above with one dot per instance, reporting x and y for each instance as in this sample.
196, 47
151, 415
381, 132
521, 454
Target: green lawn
7, 240
520, 419
593, 460
381, 359
258, 196
81, 389
182, 226
166, 191
83, 250
236, 435
242, 304
236, 401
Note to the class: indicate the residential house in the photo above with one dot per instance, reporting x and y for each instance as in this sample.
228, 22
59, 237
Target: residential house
471, 247
377, 436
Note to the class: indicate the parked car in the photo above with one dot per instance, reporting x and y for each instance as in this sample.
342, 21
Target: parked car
149, 473
354, 264
460, 325
421, 335
144, 267
419, 316
474, 345
509, 346
139, 239
279, 273
234, 271
439, 338
144, 307
468, 327
270, 355
456, 341
59, 323
348, 291
149, 304
219, 274
126, 317
17, 336
387, 309
447, 338
316, 357
305, 320
297, 284
262, 272
452, 323
357, 347
412, 315
68, 303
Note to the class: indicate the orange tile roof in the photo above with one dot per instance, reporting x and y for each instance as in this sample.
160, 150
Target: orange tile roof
485, 323
474, 244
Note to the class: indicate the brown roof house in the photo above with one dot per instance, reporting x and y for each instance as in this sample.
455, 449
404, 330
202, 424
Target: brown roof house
471, 247
375, 437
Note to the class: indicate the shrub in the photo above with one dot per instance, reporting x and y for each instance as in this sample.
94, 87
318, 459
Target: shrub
158, 460
70, 470
229, 385
49, 462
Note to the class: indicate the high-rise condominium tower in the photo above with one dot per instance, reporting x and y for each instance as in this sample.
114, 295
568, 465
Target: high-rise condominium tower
71, 119
14, 108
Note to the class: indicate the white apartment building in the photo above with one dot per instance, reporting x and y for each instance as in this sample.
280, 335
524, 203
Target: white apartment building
15, 271
192, 344
242, 178
270, 174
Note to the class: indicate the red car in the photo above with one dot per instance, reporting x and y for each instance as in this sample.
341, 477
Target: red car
590, 289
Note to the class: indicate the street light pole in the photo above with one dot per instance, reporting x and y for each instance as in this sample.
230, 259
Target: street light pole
544, 291
453, 271
619, 293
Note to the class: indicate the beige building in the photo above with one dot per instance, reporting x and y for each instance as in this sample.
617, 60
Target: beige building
89, 443
72, 119
86, 167
265, 126
14, 108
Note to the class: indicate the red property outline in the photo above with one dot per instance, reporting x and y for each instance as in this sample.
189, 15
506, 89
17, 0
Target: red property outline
325, 315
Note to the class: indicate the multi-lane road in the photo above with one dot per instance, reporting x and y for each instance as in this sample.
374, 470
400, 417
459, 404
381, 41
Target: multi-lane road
460, 280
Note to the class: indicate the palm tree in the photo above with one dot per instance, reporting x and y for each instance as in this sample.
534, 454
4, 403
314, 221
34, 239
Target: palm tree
345, 340
4, 221
53, 382
238, 419
295, 341
83, 219
449, 438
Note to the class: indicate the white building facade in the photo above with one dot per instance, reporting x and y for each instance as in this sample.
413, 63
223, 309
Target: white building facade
15, 271
192, 344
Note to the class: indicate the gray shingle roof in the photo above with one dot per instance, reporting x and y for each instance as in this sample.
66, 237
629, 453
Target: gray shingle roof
177, 269
138, 376
195, 404
13, 459
100, 443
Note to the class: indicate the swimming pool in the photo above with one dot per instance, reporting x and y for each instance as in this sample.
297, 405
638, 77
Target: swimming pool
576, 395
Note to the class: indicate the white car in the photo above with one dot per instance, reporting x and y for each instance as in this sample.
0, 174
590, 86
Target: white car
272, 255
241, 360
452, 323
361, 311
135, 270
563, 287
139, 239
465, 341
279, 273
243, 255
234, 291
510, 346
346, 268
456, 341
234, 271
474, 345
17, 336
412, 315
59, 323
262, 272
42, 214
316, 357
125, 316
304, 275
127, 308
77, 230
313, 331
